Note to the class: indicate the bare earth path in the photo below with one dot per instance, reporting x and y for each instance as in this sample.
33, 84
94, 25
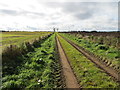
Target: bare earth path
108, 70
70, 79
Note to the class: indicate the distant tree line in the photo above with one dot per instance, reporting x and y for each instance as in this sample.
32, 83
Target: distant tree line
96, 33
3, 31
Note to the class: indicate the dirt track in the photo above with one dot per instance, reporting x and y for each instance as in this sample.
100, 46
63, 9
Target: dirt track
70, 79
99, 64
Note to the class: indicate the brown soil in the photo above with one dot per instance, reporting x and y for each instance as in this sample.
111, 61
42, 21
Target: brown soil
101, 65
70, 79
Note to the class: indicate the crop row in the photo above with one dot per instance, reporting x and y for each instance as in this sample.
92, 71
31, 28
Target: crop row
87, 73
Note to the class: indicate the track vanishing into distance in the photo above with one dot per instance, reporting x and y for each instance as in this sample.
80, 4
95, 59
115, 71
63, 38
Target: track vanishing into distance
70, 79
110, 71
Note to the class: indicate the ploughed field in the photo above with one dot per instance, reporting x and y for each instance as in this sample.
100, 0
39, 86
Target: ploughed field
52, 60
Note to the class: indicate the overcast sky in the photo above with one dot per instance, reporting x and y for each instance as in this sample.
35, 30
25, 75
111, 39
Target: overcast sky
37, 15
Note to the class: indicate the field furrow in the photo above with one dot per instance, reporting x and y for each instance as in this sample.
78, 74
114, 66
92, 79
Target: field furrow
95, 60
88, 74
70, 79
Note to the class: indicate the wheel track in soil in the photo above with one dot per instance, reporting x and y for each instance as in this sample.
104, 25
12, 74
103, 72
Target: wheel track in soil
70, 78
110, 71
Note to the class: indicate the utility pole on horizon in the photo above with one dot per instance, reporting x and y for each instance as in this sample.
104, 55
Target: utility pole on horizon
54, 29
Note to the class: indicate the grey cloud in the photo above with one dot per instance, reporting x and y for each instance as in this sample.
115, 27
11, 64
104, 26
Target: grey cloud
81, 10
83, 16
54, 23
33, 28
10, 12
20, 12
4, 5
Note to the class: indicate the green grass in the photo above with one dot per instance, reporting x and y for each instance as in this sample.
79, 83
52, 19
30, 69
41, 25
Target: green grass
111, 54
39, 69
88, 75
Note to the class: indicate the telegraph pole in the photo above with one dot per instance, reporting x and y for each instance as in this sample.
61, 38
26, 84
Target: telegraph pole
54, 29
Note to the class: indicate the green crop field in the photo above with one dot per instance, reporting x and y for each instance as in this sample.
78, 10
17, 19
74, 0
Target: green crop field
59, 45
88, 74
16, 38
108, 53
32, 60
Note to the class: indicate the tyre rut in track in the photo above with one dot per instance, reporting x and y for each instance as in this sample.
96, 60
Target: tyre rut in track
99, 64
70, 79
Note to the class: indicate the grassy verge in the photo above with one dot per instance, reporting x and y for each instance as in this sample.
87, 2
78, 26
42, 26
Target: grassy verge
88, 75
12, 56
39, 69
109, 55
